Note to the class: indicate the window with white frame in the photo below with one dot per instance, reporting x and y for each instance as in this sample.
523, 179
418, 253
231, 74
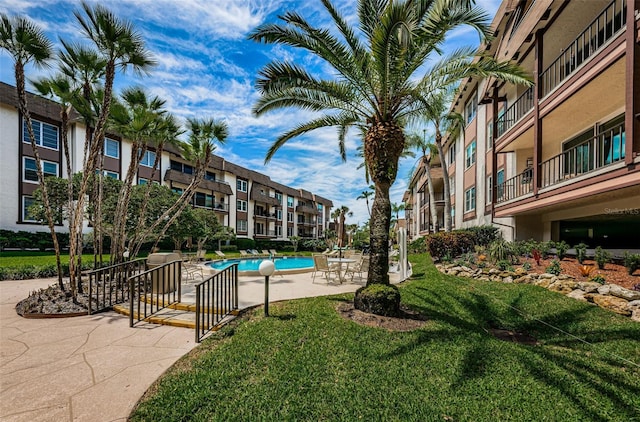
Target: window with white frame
471, 109
30, 172
241, 225
489, 135
452, 152
279, 231
45, 135
201, 199
241, 205
290, 201
289, 231
470, 154
27, 201
148, 159
452, 185
279, 197
109, 174
489, 189
279, 215
290, 217
470, 199
143, 181
260, 228
241, 185
111, 148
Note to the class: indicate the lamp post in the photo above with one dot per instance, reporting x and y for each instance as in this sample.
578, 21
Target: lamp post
266, 268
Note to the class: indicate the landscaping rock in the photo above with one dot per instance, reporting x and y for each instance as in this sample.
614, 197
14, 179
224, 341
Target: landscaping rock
562, 286
616, 304
634, 304
618, 291
507, 279
543, 282
577, 294
546, 275
588, 286
635, 315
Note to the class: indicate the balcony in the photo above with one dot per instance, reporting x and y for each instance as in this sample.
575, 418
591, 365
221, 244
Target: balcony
518, 109
221, 207
306, 209
265, 233
264, 198
604, 28
185, 179
263, 214
515, 187
598, 152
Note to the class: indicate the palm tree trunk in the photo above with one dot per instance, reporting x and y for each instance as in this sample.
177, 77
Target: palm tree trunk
22, 104
432, 195
379, 233
447, 191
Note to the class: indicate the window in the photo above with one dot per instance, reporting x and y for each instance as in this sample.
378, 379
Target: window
241, 225
241, 185
241, 205
260, 228
489, 189
452, 153
289, 231
27, 201
202, 199
279, 197
452, 185
290, 201
301, 219
279, 231
30, 173
470, 154
177, 190
111, 148
470, 199
279, 215
319, 207
470, 109
142, 181
182, 168
499, 184
110, 174
210, 176
148, 159
489, 135
46, 135
290, 217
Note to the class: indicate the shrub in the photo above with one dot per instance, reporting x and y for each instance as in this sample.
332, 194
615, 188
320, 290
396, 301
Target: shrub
561, 249
504, 265
581, 252
602, 257
554, 268
243, 243
526, 266
418, 246
631, 261
450, 244
598, 279
585, 270
483, 235
501, 250
379, 299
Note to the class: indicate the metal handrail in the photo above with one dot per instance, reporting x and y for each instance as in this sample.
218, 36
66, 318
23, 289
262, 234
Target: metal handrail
602, 29
148, 290
515, 112
216, 298
515, 187
108, 285
600, 151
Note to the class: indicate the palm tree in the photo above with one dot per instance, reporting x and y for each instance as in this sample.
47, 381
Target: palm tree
341, 213
452, 124
428, 150
396, 209
365, 195
27, 44
380, 84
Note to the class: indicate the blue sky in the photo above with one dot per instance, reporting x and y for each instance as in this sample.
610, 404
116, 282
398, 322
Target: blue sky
207, 68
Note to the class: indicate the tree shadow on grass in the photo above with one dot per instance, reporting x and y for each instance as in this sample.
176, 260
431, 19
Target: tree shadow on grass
602, 386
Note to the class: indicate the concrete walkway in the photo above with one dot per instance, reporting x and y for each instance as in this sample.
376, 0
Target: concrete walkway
95, 368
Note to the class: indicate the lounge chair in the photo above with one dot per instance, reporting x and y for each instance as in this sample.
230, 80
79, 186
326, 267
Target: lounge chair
273, 252
253, 252
265, 252
221, 254
243, 252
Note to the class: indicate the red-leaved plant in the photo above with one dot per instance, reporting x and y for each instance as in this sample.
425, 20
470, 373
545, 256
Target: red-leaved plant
536, 256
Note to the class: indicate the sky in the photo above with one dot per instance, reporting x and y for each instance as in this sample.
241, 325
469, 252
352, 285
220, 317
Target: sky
206, 67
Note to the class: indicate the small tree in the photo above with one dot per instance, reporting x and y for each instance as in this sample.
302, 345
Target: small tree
295, 240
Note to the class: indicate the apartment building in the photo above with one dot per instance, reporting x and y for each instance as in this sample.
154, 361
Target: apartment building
247, 201
559, 160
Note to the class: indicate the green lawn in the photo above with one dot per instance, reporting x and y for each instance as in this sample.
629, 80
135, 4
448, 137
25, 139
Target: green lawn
307, 363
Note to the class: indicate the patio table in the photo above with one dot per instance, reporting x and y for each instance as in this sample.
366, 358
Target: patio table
340, 262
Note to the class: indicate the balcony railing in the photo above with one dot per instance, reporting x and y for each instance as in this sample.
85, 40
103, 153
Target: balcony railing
603, 28
266, 233
600, 151
518, 109
515, 187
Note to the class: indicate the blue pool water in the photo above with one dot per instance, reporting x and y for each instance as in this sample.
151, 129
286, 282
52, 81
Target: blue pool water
252, 264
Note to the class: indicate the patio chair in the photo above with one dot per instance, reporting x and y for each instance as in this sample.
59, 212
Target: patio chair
191, 269
273, 252
253, 252
243, 252
361, 267
201, 255
321, 265
221, 254
265, 252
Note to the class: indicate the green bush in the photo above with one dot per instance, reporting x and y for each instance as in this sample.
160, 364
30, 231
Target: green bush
631, 262
418, 246
450, 244
554, 268
598, 279
244, 244
504, 265
379, 299
581, 252
561, 249
602, 257
501, 250
483, 235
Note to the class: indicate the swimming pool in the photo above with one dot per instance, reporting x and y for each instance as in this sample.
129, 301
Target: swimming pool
249, 266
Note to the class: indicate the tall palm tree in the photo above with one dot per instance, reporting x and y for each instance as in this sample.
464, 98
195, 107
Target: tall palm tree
27, 44
365, 195
341, 213
198, 150
452, 124
396, 209
428, 150
380, 84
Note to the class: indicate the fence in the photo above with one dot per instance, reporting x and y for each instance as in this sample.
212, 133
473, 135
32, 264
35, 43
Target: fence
216, 298
108, 286
154, 290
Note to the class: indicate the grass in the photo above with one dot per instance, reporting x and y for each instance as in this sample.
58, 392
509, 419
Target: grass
17, 259
307, 363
